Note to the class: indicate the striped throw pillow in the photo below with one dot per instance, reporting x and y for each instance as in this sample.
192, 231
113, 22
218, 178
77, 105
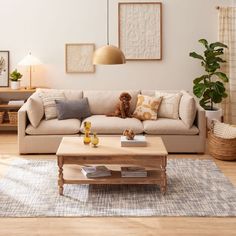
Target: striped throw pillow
223, 130
49, 103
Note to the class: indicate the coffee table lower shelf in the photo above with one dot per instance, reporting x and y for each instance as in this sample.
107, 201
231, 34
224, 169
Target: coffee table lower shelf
154, 177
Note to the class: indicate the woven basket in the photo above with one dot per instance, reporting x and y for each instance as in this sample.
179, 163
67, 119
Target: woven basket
13, 117
222, 149
1, 116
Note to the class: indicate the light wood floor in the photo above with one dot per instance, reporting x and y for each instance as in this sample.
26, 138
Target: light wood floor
145, 226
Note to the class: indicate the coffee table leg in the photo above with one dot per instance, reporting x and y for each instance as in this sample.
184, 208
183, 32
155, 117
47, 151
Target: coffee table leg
163, 177
60, 174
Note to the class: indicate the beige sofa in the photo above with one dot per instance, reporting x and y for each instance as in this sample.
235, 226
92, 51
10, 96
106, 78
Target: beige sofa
47, 136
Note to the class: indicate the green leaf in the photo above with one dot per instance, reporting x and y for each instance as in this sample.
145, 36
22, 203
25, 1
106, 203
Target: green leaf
198, 89
195, 55
219, 88
222, 76
204, 42
224, 95
199, 79
219, 59
218, 44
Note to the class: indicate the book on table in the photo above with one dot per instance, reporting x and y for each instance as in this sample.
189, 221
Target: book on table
95, 171
138, 141
16, 102
133, 172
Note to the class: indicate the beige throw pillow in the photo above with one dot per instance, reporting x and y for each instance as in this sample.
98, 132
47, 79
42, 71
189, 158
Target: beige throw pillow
35, 110
50, 104
147, 107
187, 109
170, 105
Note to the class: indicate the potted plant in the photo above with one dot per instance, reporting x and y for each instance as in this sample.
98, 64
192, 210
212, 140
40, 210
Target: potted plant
210, 87
15, 79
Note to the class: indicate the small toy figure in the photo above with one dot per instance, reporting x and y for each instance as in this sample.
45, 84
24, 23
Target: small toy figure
129, 134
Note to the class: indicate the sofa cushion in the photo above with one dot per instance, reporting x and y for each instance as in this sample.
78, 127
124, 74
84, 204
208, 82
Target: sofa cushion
104, 102
147, 107
168, 126
169, 105
35, 110
55, 126
69, 94
73, 109
113, 125
187, 109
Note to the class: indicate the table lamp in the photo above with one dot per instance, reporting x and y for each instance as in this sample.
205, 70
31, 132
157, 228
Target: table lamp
30, 61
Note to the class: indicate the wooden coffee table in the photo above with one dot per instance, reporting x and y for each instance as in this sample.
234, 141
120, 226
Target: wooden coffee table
72, 151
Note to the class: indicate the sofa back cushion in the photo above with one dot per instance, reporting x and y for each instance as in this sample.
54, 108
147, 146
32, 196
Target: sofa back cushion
69, 94
152, 92
187, 109
103, 102
35, 110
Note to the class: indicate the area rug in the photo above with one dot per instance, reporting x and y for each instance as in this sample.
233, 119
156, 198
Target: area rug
195, 188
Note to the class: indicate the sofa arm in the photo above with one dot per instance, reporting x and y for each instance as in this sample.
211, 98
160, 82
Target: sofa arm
201, 121
22, 120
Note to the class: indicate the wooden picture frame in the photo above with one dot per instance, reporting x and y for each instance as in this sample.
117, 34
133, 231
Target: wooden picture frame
79, 58
140, 30
4, 68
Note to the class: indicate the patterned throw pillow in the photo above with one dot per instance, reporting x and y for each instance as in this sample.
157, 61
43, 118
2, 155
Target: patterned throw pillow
223, 130
49, 103
147, 107
170, 105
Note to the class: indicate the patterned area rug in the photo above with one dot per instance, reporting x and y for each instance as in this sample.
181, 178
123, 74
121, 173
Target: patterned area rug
195, 188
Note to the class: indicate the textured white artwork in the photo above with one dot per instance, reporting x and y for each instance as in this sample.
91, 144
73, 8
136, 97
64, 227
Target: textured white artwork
79, 58
4, 68
140, 26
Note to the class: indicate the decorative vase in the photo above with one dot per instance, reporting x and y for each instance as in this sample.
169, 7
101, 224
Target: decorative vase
215, 114
15, 85
87, 128
94, 140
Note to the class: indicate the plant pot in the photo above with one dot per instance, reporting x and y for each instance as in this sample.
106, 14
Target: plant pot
215, 114
15, 85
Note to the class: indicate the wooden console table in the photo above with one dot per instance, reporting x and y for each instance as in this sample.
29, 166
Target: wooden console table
7, 94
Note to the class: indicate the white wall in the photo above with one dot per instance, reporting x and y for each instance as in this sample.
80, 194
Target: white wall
44, 26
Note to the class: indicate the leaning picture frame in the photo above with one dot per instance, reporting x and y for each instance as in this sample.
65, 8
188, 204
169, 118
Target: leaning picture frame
79, 58
4, 68
140, 30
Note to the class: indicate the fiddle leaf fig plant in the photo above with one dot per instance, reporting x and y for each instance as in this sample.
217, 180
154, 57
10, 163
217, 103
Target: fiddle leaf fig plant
15, 75
210, 88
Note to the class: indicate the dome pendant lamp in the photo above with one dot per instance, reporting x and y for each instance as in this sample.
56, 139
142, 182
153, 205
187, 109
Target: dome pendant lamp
109, 54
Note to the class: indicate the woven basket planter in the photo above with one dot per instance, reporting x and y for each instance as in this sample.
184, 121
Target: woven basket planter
13, 117
222, 149
1, 116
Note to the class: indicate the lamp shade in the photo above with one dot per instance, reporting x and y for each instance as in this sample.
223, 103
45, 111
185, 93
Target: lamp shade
29, 60
108, 55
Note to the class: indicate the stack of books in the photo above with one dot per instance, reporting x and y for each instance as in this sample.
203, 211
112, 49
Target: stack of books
138, 141
16, 102
133, 172
95, 171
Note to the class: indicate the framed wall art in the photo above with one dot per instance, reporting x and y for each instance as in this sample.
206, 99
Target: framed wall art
79, 58
4, 68
140, 30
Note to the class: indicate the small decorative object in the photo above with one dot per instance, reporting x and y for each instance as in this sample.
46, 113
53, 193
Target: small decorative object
4, 68
123, 107
210, 87
137, 141
129, 134
79, 58
87, 128
15, 79
94, 140
13, 117
140, 30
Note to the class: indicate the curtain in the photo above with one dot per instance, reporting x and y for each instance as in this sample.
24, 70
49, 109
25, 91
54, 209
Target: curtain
227, 35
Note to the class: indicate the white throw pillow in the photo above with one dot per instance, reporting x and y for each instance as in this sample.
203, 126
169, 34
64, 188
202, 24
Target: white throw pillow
187, 109
170, 105
223, 130
49, 104
35, 110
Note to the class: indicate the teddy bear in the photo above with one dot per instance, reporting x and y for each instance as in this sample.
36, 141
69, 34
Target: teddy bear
123, 107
